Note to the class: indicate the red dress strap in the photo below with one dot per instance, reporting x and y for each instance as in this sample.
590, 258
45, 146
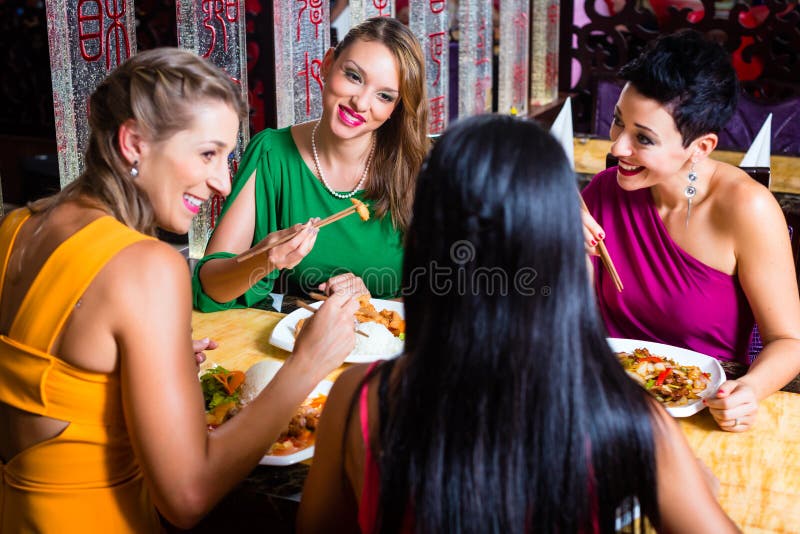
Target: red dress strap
370, 492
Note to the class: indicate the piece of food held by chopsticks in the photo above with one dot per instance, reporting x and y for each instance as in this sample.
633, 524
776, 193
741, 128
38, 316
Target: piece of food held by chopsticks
223, 401
357, 207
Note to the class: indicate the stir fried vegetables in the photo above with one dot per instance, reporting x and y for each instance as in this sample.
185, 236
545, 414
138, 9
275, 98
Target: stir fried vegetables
220, 393
669, 382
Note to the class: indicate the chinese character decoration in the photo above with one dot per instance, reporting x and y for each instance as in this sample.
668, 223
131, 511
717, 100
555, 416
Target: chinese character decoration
302, 35
474, 57
544, 51
215, 30
513, 67
361, 10
87, 39
429, 21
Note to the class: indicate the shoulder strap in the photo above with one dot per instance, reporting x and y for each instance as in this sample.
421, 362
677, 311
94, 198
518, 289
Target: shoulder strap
8, 234
64, 278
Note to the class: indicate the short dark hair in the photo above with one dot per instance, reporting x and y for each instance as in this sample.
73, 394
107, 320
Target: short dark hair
689, 75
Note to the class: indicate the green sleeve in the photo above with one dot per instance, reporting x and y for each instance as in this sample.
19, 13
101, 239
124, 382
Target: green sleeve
257, 158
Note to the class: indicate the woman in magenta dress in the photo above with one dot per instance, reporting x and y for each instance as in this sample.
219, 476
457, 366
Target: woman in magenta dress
702, 249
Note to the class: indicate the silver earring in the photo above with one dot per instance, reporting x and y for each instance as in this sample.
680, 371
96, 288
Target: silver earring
134, 169
690, 191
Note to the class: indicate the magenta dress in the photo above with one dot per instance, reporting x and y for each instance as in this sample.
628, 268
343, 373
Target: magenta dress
669, 297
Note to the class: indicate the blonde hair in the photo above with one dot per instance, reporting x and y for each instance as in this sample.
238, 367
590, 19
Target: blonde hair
401, 142
159, 89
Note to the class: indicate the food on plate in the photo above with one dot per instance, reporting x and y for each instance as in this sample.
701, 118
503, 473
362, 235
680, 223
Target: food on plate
225, 392
668, 381
302, 428
367, 313
388, 318
380, 341
361, 209
221, 390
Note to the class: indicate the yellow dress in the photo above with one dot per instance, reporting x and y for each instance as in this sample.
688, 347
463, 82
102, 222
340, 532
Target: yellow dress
87, 478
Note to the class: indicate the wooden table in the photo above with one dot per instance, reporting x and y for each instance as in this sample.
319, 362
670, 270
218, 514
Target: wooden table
759, 470
590, 158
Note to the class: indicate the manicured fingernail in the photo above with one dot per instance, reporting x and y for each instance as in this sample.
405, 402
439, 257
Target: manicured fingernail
593, 242
601, 235
205, 340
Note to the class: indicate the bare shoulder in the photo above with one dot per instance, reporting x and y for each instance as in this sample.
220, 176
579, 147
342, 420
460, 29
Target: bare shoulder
741, 201
147, 273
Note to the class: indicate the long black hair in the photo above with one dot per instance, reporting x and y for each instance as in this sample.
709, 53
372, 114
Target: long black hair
508, 412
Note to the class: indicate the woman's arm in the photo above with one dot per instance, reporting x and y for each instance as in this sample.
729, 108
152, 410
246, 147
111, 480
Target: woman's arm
187, 468
332, 489
224, 279
686, 500
767, 274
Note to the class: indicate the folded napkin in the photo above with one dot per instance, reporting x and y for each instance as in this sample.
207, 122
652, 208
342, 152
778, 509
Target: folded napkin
562, 131
758, 153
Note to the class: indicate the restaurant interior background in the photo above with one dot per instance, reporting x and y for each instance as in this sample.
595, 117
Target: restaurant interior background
596, 38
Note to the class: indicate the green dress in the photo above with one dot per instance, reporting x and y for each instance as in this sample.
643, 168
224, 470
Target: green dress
286, 193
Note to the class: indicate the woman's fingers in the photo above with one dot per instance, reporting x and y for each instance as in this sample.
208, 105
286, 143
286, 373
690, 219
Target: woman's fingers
592, 232
346, 283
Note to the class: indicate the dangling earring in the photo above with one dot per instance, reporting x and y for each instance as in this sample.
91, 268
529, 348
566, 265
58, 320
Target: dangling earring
690, 191
135, 169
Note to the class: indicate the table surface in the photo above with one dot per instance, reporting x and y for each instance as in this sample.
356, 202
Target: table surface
759, 470
590, 158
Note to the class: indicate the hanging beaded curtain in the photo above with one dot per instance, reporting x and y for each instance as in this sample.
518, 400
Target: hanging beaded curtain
429, 20
87, 39
215, 30
514, 64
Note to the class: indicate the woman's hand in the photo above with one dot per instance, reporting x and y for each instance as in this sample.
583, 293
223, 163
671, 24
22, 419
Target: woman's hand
734, 407
592, 232
289, 254
200, 345
347, 283
328, 336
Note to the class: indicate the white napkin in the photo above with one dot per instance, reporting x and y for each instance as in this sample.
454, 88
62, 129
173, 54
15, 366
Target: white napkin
758, 153
562, 131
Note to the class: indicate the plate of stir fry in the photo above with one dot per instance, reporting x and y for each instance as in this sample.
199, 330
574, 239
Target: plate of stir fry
678, 378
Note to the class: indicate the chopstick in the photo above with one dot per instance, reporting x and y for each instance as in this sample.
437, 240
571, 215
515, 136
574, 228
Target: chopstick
314, 310
605, 257
318, 296
319, 224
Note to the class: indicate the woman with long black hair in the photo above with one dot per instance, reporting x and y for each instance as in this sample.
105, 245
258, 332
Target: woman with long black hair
508, 412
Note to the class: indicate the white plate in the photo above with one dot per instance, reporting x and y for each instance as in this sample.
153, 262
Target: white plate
283, 333
322, 388
707, 364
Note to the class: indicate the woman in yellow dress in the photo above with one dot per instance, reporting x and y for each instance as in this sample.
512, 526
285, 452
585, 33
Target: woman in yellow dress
101, 416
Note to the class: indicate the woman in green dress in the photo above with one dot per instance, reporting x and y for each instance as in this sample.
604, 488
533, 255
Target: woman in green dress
369, 145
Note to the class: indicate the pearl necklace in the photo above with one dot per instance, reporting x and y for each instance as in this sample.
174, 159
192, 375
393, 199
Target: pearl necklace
322, 176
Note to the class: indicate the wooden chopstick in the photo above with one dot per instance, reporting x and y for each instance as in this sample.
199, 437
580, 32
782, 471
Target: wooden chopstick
314, 310
605, 257
319, 224
318, 296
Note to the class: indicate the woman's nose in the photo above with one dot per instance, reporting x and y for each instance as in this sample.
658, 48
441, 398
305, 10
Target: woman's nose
220, 179
360, 101
621, 146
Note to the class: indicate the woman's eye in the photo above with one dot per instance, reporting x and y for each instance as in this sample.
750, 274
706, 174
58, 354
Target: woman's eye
351, 75
644, 140
386, 97
208, 155
617, 121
